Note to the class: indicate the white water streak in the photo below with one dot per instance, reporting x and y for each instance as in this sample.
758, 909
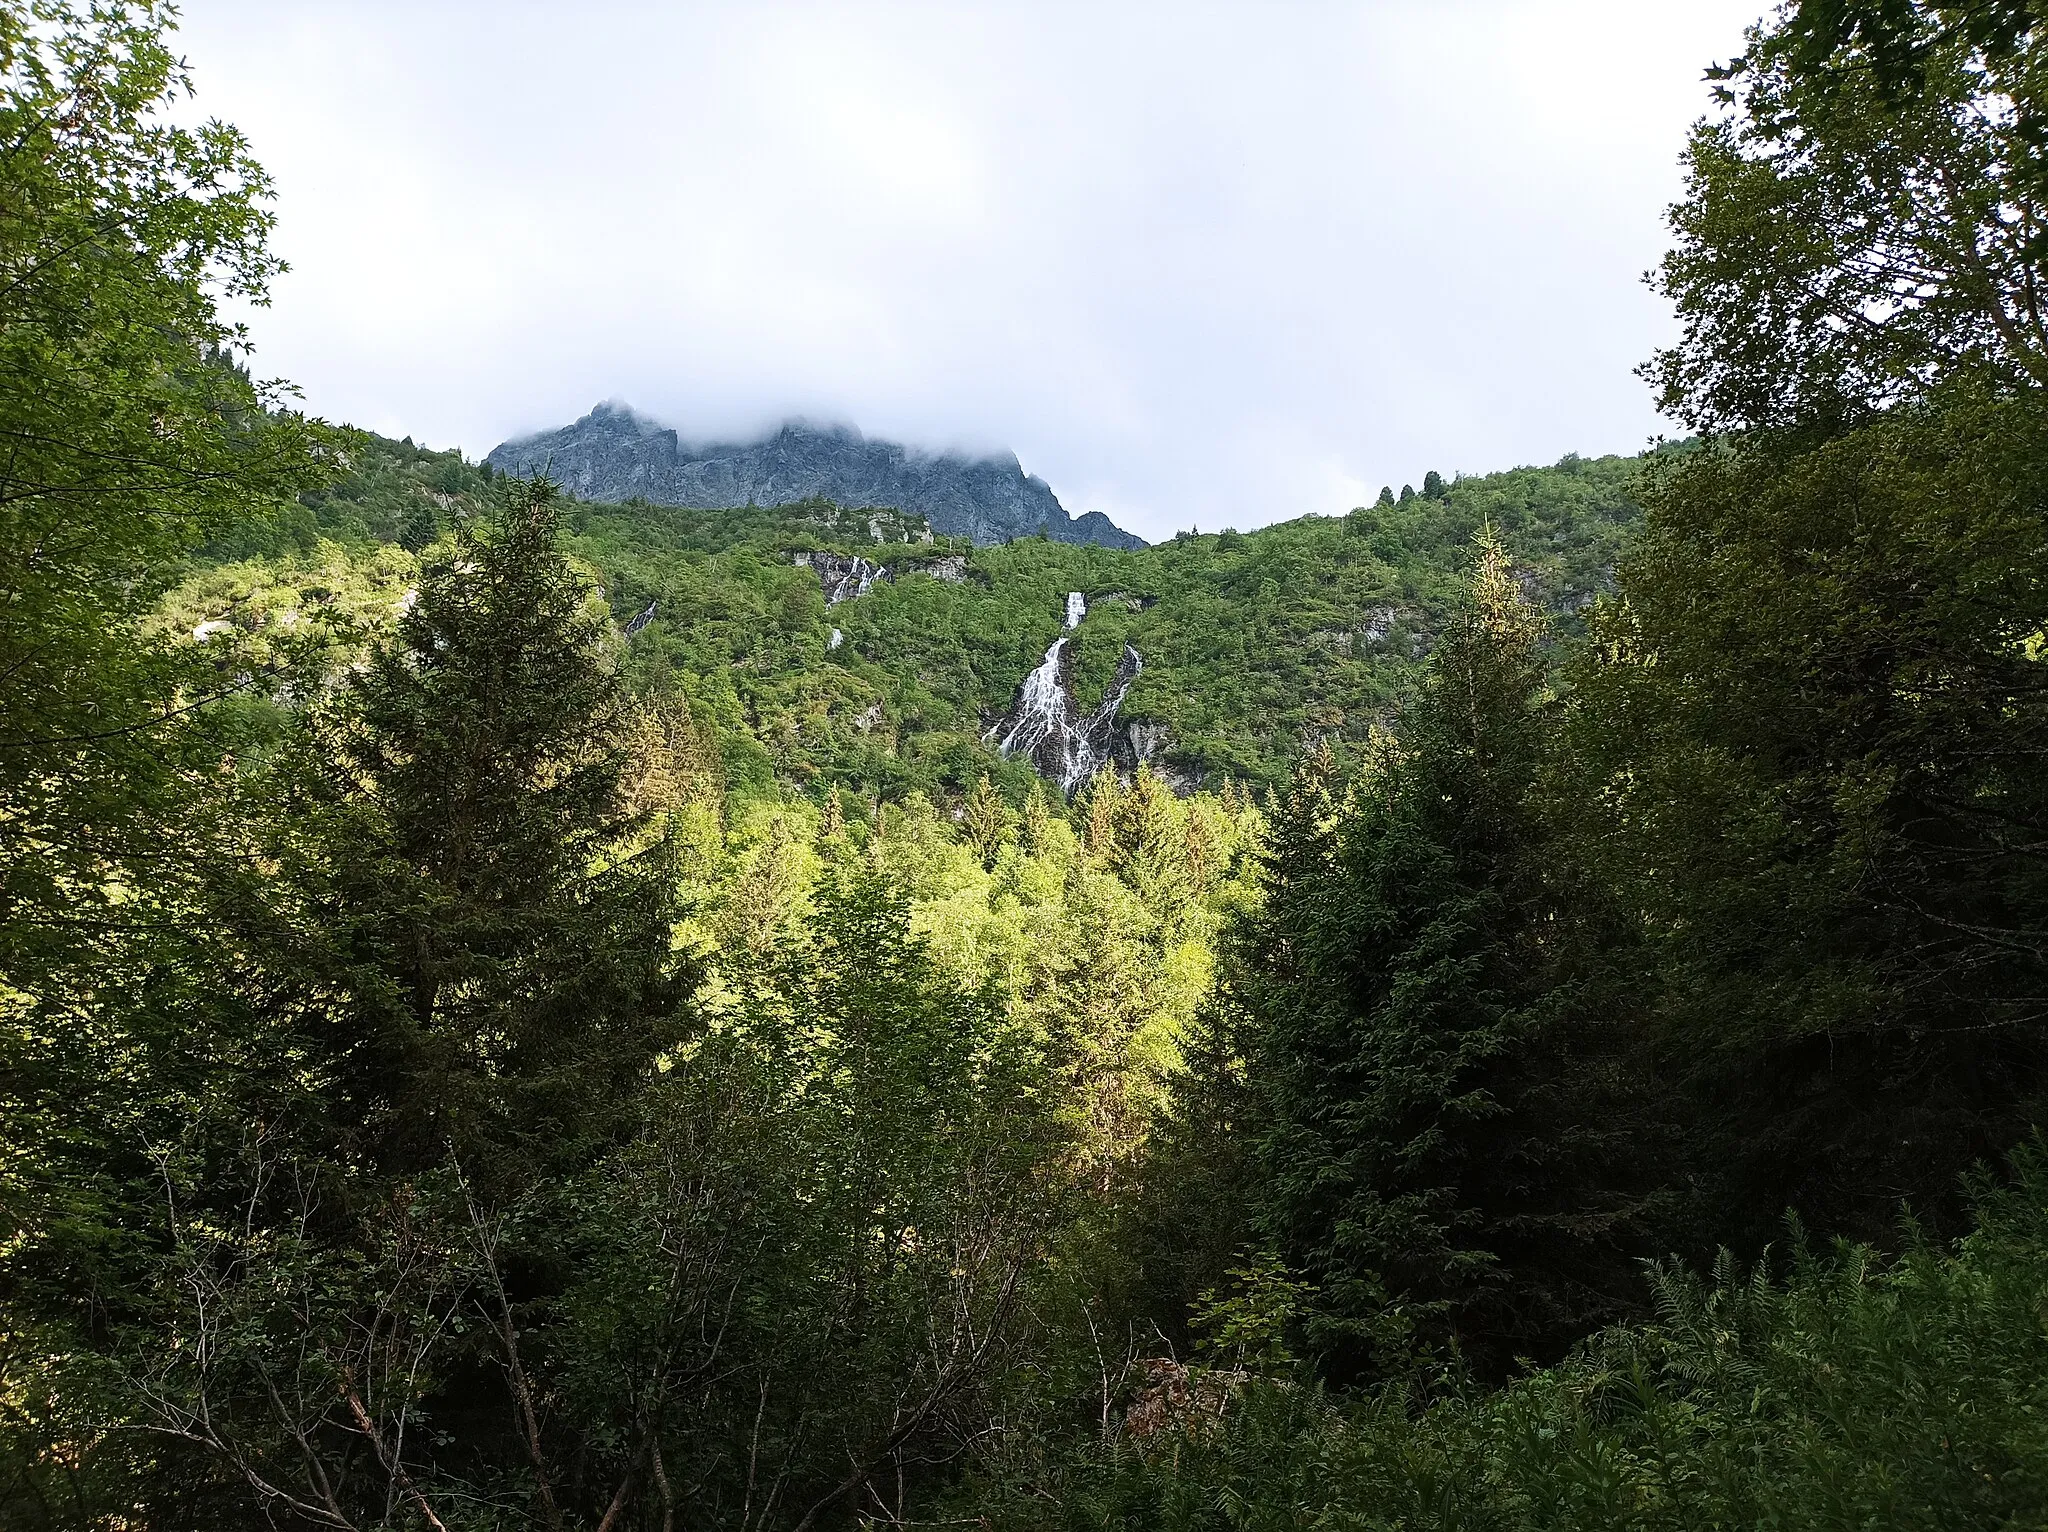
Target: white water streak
1043, 725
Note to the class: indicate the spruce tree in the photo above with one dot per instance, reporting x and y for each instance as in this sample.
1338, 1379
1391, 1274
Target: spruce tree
1815, 721
987, 821
1436, 1141
471, 894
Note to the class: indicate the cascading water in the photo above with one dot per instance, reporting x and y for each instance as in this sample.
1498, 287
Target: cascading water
1042, 724
845, 577
1127, 667
854, 582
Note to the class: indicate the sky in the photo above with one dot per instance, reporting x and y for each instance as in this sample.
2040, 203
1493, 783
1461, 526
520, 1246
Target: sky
1196, 265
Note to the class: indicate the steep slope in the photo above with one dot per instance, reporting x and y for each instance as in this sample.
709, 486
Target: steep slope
612, 454
830, 644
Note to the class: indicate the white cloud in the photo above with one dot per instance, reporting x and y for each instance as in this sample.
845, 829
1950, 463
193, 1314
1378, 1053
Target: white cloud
1214, 265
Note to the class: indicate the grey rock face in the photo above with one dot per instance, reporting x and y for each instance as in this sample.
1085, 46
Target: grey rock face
612, 454
1046, 727
844, 578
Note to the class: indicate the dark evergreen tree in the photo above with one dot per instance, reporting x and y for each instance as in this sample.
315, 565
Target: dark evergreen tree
1197, 1214
1817, 713
1816, 720
473, 894
1444, 1121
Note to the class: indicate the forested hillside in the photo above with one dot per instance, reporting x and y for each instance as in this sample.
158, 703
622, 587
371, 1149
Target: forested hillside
1252, 643
517, 1013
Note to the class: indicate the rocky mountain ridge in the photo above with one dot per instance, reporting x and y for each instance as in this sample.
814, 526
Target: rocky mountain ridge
613, 454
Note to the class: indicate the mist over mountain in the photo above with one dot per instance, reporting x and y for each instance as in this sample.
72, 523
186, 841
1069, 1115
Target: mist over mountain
614, 454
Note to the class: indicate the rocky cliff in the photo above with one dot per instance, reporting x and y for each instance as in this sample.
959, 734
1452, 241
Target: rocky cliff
612, 454
1046, 727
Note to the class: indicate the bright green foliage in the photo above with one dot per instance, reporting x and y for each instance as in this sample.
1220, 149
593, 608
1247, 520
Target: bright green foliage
1251, 641
1102, 947
129, 435
1853, 1393
986, 820
392, 494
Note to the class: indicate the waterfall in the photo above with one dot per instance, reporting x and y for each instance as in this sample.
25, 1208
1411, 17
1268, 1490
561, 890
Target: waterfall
851, 581
1127, 667
1042, 725
1076, 610
845, 577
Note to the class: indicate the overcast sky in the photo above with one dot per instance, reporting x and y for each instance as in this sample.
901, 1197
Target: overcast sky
1196, 265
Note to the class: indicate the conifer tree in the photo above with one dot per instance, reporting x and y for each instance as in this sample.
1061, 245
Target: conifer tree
1105, 807
1433, 1137
1202, 1189
459, 828
986, 819
1037, 818
1813, 721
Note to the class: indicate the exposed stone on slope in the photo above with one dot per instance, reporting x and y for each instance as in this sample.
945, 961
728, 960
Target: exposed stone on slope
613, 454
1045, 725
843, 575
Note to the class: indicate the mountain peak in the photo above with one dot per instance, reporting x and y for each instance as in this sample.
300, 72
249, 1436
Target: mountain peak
615, 453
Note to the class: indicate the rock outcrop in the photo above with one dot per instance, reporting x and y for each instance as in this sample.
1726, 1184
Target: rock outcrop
843, 576
1047, 728
612, 454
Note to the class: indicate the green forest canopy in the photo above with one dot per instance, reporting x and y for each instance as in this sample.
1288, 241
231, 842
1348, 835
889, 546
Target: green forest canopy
1518, 1061
1252, 642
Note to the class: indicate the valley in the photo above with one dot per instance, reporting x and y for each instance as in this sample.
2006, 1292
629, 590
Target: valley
790, 984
